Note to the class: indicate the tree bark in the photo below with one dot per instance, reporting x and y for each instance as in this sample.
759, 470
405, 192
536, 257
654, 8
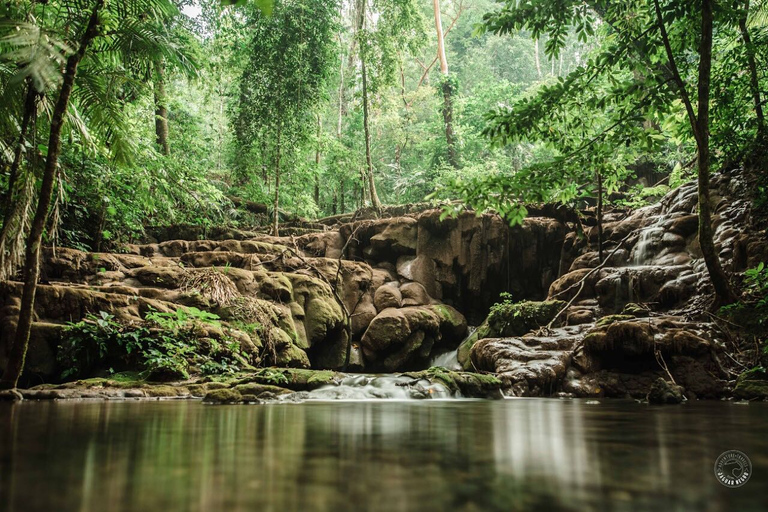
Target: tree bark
753, 78
161, 109
723, 291
317, 162
32, 257
699, 121
537, 57
276, 205
447, 87
600, 217
366, 122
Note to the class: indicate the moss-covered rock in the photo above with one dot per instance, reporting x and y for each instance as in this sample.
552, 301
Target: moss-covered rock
663, 392
752, 384
510, 319
295, 379
608, 320
475, 385
261, 390
223, 396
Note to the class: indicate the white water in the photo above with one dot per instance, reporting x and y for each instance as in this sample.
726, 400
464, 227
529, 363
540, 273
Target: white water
377, 387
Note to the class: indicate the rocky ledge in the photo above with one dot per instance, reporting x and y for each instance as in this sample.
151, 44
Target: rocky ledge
269, 384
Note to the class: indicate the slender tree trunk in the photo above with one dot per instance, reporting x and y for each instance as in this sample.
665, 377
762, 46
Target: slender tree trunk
317, 161
367, 122
30, 105
368, 159
537, 57
753, 78
723, 291
699, 121
447, 87
276, 213
600, 217
342, 108
161, 109
342, 206
32, 258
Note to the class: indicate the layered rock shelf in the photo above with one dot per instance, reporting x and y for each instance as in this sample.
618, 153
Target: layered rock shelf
388, 295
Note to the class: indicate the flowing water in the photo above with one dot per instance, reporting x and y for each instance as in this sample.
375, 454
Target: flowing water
420, 455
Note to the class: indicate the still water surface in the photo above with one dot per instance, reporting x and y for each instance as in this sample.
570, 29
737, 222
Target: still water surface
457, 455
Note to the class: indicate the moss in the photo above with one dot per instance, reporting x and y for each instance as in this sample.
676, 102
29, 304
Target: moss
323, 314
292, 357
510, 319
259, 390
635, 310
295, 379
752, 384
223, 396
468, 384
163, 391
608, 320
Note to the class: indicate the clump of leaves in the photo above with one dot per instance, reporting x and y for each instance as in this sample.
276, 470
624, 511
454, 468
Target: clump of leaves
166, 346
752, 311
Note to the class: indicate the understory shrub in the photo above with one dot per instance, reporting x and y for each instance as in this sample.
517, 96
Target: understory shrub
164, 346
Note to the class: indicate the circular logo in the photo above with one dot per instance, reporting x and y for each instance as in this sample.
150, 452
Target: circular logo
733, 468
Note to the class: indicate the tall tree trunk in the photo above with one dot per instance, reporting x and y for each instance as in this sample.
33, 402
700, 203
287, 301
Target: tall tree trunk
367, 123
161, 109
342, 206
276, 212
600, 217
723, 291
32, 258
537, 57
753, 78
446, 86
317, 161
699, 121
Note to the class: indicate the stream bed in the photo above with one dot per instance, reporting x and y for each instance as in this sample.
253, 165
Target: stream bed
379, 455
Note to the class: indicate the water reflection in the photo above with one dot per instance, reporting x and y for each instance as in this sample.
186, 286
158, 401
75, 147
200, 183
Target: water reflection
448, 455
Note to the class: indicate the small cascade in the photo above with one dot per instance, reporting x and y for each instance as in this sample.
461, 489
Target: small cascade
648, 244
450, 360
354, 387
447, 360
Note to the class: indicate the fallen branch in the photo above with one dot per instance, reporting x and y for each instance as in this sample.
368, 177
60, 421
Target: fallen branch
582, 282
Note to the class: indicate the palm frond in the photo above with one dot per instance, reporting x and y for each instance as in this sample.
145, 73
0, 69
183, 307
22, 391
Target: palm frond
36, 54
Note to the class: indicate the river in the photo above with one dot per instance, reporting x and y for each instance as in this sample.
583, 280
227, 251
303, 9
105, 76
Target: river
378, 455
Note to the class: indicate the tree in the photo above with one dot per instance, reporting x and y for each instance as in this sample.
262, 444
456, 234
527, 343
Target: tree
104, 26
292, 55
398, 27
448, 87
635, 80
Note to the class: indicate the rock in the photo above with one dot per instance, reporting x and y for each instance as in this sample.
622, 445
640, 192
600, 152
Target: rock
387, 296
510, 319
663, 392
414, 294
540, 362
223, 396
402, 337
11, 395
751, 385
260, 390
465, 384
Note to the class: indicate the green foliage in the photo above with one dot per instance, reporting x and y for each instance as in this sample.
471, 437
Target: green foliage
751, 312
168, 345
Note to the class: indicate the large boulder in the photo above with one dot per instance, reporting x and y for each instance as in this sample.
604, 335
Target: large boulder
510, 319
405, 338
